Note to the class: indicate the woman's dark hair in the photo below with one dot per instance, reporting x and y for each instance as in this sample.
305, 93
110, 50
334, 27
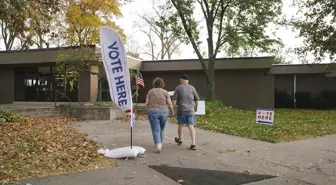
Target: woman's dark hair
158, 83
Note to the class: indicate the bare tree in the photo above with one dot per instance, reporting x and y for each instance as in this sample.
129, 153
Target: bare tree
160, 27
150, 45
133, 48
283, 56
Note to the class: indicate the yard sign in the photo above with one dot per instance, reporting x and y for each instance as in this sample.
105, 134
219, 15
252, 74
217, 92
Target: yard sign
265, 116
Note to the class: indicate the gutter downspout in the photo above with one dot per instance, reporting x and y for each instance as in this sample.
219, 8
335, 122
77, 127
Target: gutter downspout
294, 92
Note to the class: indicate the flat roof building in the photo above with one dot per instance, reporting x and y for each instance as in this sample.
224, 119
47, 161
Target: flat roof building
246, 83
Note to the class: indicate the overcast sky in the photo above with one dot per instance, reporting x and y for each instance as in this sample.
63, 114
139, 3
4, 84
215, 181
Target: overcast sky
131, 10
130, 17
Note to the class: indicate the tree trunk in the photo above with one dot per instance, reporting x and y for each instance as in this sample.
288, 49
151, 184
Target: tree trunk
211, 84
211, 58
169, 55
65, 80
40, 46
9, 43
162, 46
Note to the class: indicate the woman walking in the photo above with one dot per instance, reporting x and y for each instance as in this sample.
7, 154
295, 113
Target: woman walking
157, 102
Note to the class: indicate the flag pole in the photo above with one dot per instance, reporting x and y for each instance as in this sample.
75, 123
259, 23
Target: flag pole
137, 90
132, 119
131, 137
136, 103
114, 58
132, 113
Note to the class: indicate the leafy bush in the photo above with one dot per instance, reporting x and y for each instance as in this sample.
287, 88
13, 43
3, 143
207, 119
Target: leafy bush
329, 99
304, 100
283, 99
325, 100
214, 105
9, 117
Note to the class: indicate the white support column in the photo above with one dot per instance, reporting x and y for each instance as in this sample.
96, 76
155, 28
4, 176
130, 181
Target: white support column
294, 90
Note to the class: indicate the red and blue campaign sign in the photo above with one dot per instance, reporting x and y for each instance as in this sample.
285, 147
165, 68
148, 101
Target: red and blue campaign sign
265, 116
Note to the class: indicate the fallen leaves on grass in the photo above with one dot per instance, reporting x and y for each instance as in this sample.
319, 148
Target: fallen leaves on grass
39, 147
289, 124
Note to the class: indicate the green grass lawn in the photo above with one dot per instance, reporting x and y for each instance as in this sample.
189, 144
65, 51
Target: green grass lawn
289, 124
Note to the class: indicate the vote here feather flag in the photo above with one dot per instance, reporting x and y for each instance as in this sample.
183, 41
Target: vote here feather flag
117, 72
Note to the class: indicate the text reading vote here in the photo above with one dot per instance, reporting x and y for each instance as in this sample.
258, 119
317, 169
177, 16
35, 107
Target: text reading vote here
117, 69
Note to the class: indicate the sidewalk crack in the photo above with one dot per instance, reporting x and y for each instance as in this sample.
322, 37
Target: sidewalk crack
181, 163
332, 151
306, 183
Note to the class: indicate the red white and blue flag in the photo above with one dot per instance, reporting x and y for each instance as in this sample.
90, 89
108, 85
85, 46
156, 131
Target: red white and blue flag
140, 80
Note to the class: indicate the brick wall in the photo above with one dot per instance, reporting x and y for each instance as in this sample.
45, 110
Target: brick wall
84, 87
284, 82
6, 85
313, 83
245, 89
94, 84
88, 86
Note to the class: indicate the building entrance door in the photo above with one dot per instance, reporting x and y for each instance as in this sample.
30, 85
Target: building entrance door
40, 83
33, 84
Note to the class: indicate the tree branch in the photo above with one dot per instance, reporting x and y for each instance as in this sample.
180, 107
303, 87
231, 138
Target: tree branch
206, 4
158, 13
158, 55
150, 41
146, 53
5, 34
221, 39
173, 50
168, 43
217, 8
191, 37
156, 31
86, 33
213, 7
203, 9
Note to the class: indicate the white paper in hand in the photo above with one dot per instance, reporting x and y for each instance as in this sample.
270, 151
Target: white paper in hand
200, 108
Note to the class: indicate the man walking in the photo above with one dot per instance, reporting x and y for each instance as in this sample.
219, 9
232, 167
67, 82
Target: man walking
186, 99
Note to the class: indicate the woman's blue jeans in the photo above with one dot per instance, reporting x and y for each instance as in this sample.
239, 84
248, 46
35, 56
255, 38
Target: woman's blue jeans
158, 119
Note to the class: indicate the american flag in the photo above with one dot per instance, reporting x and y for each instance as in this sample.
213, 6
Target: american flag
140, 80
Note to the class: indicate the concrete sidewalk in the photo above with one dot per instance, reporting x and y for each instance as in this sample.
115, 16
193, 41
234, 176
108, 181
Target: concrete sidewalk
303, 162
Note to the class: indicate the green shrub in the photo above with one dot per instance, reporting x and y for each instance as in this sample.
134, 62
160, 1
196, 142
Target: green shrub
283, 99
304, 100
325, 100
9, 117
329, 99
213, 105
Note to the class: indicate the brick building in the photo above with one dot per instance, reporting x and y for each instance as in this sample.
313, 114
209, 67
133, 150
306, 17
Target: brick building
32, 76
246, 83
